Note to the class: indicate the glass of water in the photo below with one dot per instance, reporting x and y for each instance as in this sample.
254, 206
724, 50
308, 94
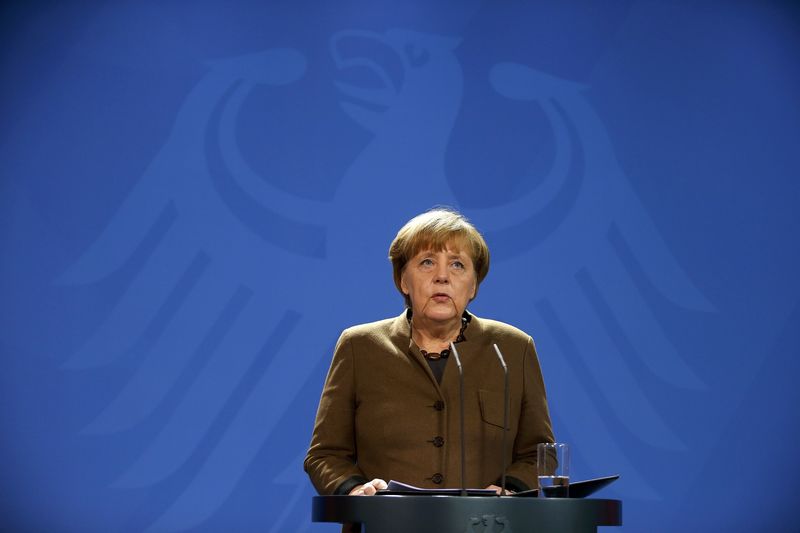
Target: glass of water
553, 464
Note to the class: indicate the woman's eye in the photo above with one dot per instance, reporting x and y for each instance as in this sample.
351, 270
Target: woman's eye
426, 262
458, 264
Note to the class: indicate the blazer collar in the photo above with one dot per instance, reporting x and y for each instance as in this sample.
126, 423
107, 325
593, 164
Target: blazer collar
400, 335
400, 330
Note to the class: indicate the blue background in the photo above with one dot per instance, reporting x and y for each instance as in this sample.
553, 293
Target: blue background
196, 198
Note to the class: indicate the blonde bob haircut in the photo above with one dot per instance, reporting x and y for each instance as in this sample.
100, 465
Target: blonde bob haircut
434, 230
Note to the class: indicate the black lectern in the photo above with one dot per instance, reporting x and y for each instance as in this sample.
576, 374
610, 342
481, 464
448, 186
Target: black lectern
470, 514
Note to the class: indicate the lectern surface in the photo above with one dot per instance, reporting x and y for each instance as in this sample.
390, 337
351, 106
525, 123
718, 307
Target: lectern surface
456, 514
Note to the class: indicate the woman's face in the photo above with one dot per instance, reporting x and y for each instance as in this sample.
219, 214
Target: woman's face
439, 284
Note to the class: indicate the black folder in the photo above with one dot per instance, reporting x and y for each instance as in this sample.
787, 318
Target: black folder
578, 489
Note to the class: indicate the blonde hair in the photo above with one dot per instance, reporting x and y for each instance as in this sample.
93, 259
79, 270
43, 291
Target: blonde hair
434, 230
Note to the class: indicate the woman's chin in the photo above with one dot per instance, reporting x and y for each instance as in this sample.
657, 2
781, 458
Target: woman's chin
444, 315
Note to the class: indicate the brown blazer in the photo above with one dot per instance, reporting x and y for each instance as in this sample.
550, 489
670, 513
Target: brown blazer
382, 414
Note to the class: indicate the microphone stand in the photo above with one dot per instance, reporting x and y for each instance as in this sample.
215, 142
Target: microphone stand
505, 419
461, 403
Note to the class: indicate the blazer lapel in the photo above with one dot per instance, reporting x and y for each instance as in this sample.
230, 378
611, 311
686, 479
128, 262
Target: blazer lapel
401, 338
468, 352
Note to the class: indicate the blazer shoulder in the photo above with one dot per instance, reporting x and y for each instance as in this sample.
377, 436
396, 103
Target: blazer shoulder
384, 333
377, 328
501, 329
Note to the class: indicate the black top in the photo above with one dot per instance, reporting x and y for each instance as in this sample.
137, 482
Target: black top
438, 361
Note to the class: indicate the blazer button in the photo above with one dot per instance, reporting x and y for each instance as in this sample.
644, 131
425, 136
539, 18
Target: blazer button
437, 478
439, 405
438, 442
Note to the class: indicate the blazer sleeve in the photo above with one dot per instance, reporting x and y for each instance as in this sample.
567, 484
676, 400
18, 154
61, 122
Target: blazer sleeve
534, 423
331, 458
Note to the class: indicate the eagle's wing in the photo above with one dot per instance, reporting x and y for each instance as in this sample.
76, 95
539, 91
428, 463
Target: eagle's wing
206, 254
592, 259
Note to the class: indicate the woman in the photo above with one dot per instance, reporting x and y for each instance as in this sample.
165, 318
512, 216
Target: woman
390, 405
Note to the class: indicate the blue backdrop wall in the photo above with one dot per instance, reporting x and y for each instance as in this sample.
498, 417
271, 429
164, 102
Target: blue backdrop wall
196, 198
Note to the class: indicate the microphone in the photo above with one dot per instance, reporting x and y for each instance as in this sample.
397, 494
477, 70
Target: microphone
505, 418
461, 407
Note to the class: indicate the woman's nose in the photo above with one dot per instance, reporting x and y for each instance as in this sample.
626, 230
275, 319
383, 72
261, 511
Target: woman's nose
442, 275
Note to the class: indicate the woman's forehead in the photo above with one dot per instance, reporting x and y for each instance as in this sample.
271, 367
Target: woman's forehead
456, 246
